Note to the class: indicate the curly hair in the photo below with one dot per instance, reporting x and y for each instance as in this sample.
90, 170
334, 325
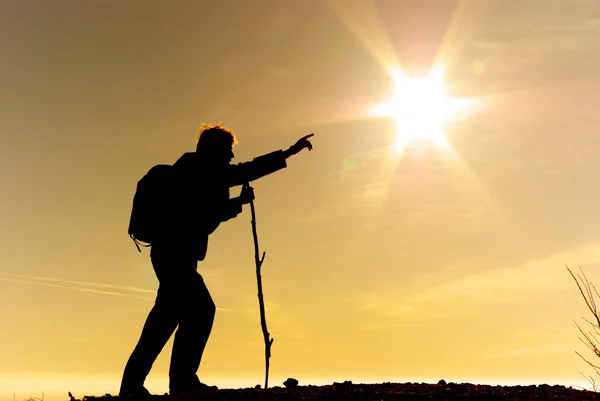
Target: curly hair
209, 134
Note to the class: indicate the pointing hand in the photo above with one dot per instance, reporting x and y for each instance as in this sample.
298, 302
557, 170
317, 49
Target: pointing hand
301, 144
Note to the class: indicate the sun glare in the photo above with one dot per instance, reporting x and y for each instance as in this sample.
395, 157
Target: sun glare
420, 107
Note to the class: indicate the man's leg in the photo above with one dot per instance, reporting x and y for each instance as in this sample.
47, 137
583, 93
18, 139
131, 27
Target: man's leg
195, 324
159, 327
161, 322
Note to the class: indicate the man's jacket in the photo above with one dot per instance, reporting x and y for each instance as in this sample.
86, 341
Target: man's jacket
201, 199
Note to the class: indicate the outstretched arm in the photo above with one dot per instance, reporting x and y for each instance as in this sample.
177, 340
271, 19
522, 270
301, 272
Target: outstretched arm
263, 165
298, 146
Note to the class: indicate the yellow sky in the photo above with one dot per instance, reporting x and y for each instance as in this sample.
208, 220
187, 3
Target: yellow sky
427, 266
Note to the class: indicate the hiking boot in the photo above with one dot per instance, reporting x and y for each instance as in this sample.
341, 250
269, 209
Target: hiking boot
196, 388
138, 392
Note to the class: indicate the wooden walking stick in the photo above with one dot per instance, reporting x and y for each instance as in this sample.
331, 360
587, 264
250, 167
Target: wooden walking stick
261, 302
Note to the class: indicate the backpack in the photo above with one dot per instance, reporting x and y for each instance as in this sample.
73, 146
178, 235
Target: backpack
150, 205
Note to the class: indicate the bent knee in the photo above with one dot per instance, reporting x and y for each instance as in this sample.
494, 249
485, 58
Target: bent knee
205, 306
211, 308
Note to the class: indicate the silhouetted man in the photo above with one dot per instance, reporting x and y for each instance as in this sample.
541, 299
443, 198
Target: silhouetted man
200, 194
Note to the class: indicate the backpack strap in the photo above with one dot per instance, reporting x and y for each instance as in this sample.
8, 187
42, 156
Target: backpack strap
138, 243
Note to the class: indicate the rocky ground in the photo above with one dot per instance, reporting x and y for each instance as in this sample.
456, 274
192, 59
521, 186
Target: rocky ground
384, 391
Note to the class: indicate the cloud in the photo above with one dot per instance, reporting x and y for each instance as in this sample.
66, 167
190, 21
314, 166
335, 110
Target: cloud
47, 284
128, 292
473, 295
82, 283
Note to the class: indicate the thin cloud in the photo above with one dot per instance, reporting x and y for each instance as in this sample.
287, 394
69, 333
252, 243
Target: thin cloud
21, 276
46, 284
476, 292
545, 275
78, 286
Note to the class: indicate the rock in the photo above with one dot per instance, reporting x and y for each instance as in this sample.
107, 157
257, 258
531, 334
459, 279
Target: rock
290, 382
258, 387
442, 382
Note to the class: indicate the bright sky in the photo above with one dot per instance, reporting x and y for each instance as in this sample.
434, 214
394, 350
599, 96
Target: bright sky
439, 258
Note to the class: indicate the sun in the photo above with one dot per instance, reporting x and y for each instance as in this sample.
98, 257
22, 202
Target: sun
421, 107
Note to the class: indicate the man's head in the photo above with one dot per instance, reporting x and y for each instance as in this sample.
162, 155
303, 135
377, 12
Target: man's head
215, 143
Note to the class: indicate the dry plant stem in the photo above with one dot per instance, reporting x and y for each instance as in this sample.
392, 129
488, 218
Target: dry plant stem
261, 302
587, 290
594, 381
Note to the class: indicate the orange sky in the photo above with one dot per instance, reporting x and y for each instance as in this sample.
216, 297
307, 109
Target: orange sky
435, 264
